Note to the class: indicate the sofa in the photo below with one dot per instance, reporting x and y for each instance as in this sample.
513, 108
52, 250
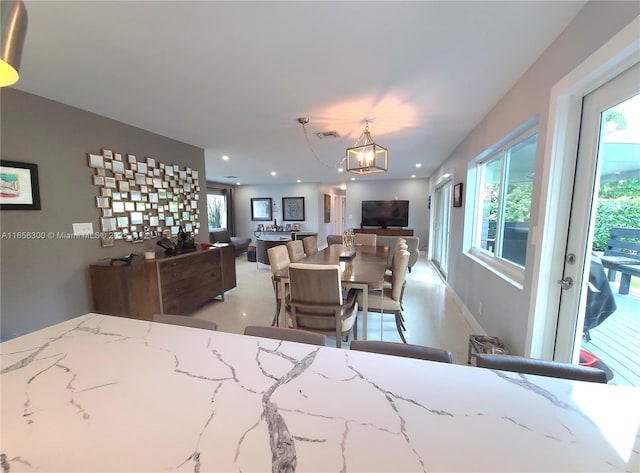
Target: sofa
222, 236
412, 243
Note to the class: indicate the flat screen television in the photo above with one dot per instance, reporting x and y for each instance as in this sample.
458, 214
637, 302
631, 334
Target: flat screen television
385, 213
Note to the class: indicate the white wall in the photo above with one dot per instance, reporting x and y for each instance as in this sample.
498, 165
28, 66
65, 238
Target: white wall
505, 307
416, 191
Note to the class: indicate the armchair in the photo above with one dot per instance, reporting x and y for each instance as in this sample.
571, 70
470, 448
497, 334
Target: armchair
315, 301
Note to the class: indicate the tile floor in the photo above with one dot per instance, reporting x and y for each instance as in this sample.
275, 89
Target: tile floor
432, 316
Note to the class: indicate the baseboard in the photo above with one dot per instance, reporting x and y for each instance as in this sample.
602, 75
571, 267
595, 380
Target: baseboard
474, 326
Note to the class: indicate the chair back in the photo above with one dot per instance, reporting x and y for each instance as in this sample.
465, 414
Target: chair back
334, 240
315, 283
367, 239
288, 334
407, 350
185, 321
399, 273
296, 250
278, 258
310, 245
554, 369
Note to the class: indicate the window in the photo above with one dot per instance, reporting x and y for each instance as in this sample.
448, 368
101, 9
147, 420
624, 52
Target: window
504, 186
217, 208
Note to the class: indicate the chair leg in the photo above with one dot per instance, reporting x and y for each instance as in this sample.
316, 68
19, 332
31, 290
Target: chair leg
276, 290
398, 323
274, 322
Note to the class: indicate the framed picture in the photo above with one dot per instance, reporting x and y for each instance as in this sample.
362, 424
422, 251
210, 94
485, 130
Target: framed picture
457, 195
327, 208
19, 187
261, 208
293, 208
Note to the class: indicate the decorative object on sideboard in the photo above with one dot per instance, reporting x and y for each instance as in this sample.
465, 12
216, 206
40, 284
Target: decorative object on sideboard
125, 259
19, 186
13, 30
141, 199
292, 208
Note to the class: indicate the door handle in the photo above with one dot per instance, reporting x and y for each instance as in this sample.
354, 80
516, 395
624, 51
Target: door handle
566, 283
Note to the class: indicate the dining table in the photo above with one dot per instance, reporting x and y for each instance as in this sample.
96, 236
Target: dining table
362, 266
99, 393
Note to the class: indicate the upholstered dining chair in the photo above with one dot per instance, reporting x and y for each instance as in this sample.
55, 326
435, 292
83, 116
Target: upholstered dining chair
278, 260
389, 302
315, 301
310, 245
296, 250
185, 321
554, 369
289, 334
407, 350
367, 239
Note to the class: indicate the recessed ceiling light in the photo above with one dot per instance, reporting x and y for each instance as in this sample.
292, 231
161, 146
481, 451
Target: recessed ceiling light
446, 175
340, 169
298, 180
343, 187
353, 178
413, 176
237, 183
273, 173
418, 165
225, 158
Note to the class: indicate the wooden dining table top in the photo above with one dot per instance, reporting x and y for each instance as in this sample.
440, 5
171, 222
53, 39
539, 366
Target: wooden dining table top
367, 266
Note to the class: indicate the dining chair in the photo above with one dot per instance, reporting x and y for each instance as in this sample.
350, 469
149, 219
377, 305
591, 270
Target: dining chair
278, 259
366, 239
296, 250
185, 321
389, 302
407, 350
310, 245
288, 334
554, 369
316, 303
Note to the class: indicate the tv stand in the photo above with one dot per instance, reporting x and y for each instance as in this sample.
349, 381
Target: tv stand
386, 231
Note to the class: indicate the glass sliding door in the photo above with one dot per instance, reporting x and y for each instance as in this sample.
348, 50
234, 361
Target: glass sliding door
441, 209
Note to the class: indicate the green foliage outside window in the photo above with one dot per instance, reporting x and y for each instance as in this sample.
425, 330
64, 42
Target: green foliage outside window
618, 206
214, 213
518, 207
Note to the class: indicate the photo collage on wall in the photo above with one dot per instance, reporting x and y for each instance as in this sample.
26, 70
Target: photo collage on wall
140, 199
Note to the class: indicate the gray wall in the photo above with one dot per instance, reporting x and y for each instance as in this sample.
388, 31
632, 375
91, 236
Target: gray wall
505, 307
416, 191
313, 206
47, 281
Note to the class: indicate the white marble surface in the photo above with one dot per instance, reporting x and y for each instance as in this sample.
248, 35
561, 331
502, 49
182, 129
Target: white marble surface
101, 393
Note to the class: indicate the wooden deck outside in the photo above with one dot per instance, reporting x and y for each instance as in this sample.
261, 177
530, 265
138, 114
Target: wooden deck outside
617, 340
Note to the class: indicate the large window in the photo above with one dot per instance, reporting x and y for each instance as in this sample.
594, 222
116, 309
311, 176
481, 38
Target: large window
217, 208
503, 200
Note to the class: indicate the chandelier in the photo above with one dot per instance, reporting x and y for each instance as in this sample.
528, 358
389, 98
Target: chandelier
366, 156
13, 28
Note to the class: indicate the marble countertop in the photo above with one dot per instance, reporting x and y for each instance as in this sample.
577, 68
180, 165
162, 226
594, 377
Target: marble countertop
109, 394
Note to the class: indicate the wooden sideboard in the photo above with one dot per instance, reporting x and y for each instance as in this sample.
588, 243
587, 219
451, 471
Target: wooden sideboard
385, 231
173, 285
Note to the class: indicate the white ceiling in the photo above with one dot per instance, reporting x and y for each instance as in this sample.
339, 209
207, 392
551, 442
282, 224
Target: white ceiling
232, 77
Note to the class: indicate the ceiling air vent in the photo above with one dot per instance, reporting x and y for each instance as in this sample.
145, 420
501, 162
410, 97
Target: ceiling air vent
230, 177
327, 134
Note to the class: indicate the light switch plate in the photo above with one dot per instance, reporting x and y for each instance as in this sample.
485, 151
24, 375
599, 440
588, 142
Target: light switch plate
83, 228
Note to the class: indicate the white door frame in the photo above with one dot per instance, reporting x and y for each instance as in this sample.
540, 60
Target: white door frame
549, 234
